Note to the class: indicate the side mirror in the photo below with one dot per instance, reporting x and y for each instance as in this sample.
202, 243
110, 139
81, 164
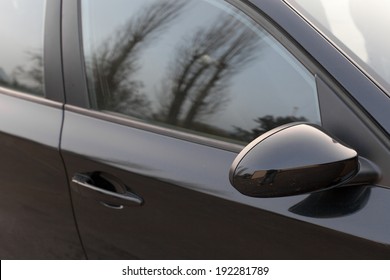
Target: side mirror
295, 159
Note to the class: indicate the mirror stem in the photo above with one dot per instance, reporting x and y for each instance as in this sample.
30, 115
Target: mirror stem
368, 173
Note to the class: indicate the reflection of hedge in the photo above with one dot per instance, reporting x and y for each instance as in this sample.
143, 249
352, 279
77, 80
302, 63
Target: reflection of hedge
15, 85
265, 124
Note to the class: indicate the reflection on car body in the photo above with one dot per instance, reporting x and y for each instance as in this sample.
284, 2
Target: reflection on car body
120, 121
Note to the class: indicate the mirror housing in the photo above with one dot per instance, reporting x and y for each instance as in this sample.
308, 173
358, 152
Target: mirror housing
293, 159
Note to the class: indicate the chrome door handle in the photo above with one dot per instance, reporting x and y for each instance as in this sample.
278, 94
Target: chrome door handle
119, 196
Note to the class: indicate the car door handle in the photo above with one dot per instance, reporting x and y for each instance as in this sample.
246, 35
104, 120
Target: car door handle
105, 188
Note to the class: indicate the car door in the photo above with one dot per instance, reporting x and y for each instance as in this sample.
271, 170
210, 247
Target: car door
36, 214
162, 96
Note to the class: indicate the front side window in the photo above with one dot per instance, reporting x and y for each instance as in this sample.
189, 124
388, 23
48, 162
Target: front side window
21, 48
198, 66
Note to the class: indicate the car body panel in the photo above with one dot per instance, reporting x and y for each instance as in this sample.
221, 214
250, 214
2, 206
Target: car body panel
198, 215
189, 209
36, 213
184, 182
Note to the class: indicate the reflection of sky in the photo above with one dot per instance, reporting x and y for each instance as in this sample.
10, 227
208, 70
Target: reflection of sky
272, 84
21, 31
362, 26
343, 26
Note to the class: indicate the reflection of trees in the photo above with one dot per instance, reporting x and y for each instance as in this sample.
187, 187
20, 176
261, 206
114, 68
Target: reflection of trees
29, 77
199, 77
264, 124
115, 62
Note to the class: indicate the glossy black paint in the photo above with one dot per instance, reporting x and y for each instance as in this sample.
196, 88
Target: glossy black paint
36, 212
53, 75
193, 212
182, 216
334, 203
347, 123
190, 211
73, 63
292, 159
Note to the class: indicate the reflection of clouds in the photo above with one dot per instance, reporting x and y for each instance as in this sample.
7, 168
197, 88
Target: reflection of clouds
372, 20
26, 19
15, 3
359, 27
341, 24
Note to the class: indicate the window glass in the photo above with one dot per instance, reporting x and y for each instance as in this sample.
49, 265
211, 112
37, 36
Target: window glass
199, 66
21, 48
359, 28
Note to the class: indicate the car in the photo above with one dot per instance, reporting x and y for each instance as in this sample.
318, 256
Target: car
194, 129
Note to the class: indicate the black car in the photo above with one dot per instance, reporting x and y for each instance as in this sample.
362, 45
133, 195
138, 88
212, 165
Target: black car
194, 129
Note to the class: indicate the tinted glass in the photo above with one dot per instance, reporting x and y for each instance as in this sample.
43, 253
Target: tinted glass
359, 28
21, 48
199, 66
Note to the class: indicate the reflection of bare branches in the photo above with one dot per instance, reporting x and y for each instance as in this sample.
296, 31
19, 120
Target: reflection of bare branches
116, 60
202, 68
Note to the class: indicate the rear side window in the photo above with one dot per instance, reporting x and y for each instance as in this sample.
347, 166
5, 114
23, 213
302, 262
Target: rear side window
21, 47
197, 66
